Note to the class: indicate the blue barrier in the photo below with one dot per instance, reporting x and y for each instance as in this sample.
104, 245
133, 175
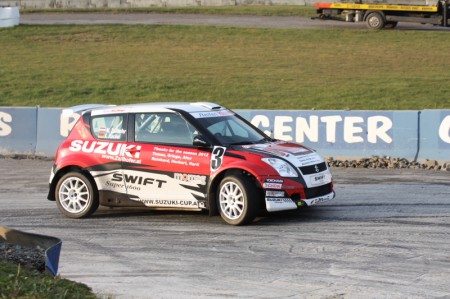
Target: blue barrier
18, 130
435, 135
355, 134
414, 135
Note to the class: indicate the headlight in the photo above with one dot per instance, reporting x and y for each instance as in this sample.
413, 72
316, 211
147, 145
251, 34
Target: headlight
282, 167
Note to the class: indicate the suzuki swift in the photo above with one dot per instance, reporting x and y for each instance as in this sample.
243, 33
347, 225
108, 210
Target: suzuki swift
183, 156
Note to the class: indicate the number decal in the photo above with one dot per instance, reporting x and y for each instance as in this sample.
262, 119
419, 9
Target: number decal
217, 157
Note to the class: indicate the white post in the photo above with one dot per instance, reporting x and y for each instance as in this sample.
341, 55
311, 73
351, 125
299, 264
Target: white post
9, 16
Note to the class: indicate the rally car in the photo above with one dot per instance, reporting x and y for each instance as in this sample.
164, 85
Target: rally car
189, 156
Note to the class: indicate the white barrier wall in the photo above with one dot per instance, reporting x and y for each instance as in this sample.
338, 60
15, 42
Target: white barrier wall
414, 135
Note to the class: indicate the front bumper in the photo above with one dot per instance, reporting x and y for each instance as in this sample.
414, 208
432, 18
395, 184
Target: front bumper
292, 193
275, 204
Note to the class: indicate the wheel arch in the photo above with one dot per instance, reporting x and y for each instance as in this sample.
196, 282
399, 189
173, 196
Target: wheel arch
380, 12
61, 172
215, 182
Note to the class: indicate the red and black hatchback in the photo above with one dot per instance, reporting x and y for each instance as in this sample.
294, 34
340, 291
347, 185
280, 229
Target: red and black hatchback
189, 156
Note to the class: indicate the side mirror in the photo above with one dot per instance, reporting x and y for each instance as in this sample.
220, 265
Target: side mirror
199, 141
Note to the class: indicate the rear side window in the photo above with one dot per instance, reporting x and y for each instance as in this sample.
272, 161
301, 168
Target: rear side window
163, 128
109, 127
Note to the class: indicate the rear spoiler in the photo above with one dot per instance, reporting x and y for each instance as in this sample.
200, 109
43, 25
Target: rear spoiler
81, 108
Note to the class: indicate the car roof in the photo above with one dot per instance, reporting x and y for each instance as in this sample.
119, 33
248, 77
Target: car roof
145, 107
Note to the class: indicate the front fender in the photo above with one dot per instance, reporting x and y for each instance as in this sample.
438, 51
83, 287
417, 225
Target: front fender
248, 168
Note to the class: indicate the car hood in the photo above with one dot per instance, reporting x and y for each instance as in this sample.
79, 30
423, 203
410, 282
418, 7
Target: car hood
295, 153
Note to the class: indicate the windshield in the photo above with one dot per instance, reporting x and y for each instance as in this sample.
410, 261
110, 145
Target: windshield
231, 130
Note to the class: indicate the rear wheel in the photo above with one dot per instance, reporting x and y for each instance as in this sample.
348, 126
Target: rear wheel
75, 195
236, 205
375, 20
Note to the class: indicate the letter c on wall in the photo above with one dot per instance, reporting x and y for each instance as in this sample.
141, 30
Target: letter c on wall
444, 129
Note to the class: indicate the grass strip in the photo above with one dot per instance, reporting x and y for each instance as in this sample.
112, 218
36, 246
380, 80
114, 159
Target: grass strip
19, 282
243, 68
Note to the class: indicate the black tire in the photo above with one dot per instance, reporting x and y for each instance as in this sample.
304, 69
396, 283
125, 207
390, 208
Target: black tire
76, 196
236, 198
375, 20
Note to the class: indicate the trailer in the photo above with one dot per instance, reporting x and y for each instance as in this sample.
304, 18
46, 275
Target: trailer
386, 13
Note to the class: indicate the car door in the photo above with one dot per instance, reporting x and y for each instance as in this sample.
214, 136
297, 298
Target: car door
173, 173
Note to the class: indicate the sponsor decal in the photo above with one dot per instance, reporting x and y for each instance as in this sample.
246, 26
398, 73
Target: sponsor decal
270, 193
111, 133
135, 179
320, 179
108, 150
320, 199
278, 200
275, 181
273, 184
190, 178
102, 133
168, 203
312, 158
177, 156
212, 114
115, 186
317, 200
279, 204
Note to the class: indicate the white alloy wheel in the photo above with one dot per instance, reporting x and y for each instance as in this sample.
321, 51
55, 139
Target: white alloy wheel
231, 200
75, 196
233, 196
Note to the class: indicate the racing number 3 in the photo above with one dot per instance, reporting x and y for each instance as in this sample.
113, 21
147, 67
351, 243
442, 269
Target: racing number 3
217, 157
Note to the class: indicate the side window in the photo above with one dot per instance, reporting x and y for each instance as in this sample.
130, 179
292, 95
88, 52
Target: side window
109, 127
163, 128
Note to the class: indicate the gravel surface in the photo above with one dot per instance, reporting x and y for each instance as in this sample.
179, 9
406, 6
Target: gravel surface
390, 163
31, 258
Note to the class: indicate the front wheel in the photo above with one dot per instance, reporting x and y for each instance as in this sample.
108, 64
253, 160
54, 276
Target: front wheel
75, 195
235, 203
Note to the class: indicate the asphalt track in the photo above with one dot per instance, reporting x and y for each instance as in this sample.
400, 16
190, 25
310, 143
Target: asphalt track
386, 235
